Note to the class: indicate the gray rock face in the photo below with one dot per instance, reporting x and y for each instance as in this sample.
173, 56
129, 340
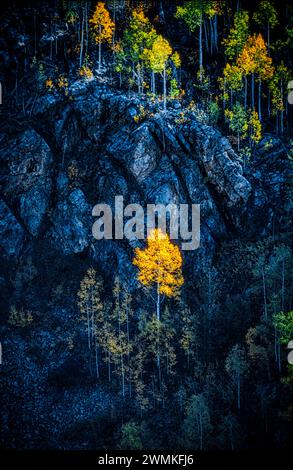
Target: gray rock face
11, 232
33, 206
27, 177
71, 223
155, 160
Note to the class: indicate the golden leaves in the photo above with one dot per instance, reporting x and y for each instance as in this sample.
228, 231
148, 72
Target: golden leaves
102, 24
160, 263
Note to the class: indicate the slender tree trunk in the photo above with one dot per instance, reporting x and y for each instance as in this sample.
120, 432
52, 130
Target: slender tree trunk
206, 35
123, 376
238, 393
88, 328
245, 92
200, 431
259, 100
97, 358
282, 112
35, 31
216, 31
100, 48
109, 366
252, 91
86, 29
264, 294
200, 50
165, 88
158, 301
81, 41
283, 286
268, 38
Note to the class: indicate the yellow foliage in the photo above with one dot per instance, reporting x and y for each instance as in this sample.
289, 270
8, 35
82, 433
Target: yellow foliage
49, 83
85, 72
255, 59
62, 82
102, 24
232, 78
255, 126
160, 263
158, 55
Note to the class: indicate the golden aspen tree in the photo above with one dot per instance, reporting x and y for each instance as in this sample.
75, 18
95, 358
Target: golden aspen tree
160, 263
157, 58
254, 59
102, 27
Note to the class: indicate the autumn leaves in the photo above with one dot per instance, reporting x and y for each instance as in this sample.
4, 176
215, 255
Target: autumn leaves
160, 264
102, 28
114, 338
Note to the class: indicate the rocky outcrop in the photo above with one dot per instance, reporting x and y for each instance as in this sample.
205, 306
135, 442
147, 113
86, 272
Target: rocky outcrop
12, 233
27, 178
98, 144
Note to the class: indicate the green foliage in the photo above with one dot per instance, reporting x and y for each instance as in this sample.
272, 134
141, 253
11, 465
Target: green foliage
284, 324
190, 12
174, 89
238, 121
238, 35
130, 437
266, 14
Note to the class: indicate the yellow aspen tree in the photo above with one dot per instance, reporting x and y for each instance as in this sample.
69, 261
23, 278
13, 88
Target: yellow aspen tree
102, 27
160, 264
254, 59
158, 57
